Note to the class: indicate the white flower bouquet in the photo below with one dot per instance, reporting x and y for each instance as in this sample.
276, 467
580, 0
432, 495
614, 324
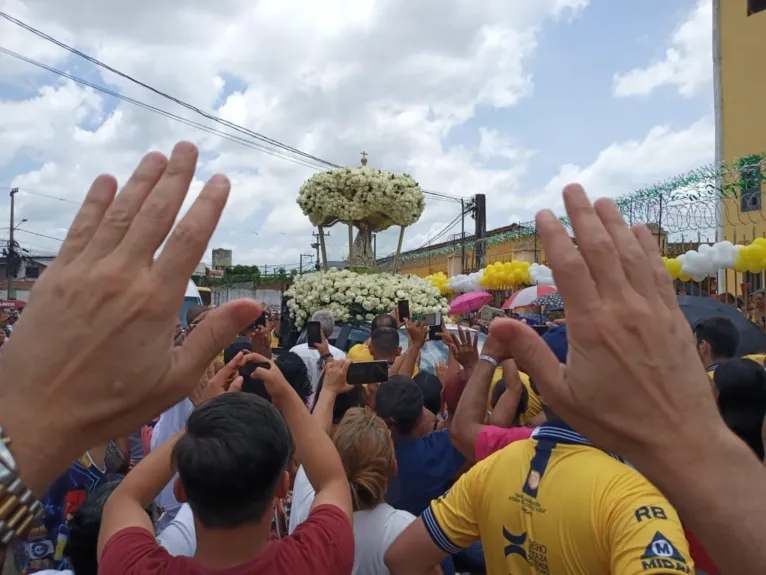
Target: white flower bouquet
360, 297
375, 197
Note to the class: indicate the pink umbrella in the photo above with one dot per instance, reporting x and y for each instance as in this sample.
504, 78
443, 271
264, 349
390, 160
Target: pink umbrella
526, 296
470, 301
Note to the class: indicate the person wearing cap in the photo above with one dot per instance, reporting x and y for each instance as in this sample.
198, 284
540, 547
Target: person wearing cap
553, 503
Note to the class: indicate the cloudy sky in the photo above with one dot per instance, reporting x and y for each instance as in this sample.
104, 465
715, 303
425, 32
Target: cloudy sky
509, 98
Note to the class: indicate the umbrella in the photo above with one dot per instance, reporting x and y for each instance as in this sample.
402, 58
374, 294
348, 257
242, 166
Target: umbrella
526, 296
534, 318
695, 309
470, 301
551, 301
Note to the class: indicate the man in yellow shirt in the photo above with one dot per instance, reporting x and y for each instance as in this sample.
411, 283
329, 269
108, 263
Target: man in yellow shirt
550, 504
717, 341
361, 351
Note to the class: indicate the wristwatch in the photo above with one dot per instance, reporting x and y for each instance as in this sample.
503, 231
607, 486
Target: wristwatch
18, 507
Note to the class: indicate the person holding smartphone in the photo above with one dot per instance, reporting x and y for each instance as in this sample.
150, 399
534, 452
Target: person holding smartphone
317, 351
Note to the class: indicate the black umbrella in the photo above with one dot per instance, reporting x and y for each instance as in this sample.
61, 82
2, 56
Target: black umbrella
695, 309
551, 301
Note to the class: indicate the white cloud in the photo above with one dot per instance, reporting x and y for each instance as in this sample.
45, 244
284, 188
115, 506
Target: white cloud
332, 78
626, 166
687, 64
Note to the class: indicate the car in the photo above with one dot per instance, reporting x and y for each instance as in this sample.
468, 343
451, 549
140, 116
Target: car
348, 334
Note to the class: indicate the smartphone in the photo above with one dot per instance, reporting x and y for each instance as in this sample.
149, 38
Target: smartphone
432, 319
313, 333
540, 329
434, 332
404, 310
261, 321
361, 372
246, 371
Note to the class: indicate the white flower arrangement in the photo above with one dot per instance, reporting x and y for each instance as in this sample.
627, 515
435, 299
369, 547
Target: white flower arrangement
360, 297
351, 195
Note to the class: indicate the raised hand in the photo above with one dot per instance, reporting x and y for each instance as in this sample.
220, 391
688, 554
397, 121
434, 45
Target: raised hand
633, 379
105, 313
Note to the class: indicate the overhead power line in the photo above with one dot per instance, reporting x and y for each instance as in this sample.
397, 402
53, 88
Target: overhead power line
318, 163
39, 235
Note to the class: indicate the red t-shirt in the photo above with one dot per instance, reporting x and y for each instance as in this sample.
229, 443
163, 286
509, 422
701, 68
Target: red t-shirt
492, 439
322, 545
702, 560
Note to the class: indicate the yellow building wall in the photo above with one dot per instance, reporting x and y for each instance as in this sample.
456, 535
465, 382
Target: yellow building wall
743, 86
501, 252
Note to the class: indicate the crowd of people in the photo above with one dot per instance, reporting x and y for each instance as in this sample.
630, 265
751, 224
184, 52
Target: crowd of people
620, 441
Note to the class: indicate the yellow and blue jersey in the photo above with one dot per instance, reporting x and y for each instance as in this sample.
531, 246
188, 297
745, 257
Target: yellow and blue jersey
556, 504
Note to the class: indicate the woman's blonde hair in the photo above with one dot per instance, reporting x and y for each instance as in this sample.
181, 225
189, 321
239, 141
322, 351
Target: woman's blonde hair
364, 443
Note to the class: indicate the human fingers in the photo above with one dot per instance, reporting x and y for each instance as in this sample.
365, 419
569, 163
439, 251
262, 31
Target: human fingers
88, 218
533, 355
635, 263
121, 213
231, 367
236, 384
595, 243
158, 211
573, 279
663, 283
220, 327
189, 240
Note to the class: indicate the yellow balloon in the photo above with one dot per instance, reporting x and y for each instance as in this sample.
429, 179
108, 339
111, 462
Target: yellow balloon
740, 265
518, 275
685, 277
674, 267
525, 265
760, 242
757, 253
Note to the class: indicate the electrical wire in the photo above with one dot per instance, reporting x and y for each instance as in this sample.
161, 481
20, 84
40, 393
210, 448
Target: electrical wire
38, 234
323, 164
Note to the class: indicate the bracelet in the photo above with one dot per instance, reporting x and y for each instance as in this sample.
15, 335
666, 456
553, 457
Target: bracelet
491, 360
19, 509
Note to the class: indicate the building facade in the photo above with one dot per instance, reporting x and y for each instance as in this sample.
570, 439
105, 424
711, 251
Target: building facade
740, 42
501, 245
222, 258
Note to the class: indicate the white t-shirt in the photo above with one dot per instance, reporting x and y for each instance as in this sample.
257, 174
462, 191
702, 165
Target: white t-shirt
311, 357
374, 530
170, 423
179, 537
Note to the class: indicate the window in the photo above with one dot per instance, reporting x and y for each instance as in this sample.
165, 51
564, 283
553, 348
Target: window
755, 6
33, 272
750, 188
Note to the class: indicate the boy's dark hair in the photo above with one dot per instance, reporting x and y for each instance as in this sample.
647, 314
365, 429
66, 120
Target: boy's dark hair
432, 391
399, 402
231, 458
385, 340
343, 402
498, 391
741, 385
297, 375
81, 547
721, 334
383, 320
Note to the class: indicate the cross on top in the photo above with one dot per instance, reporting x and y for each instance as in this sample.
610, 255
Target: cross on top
364, 158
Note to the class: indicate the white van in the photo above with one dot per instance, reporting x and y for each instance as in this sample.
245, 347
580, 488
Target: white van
191, 298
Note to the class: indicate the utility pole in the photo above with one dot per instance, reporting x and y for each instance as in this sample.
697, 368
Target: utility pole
462, 236
480, 214
375, 247
316, 245
10, 266
300, 266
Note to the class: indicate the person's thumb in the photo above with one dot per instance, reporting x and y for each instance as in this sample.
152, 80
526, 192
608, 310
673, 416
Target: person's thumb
218, 330
532, 355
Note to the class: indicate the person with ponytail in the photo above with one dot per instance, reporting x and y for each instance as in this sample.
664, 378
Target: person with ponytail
367, 452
